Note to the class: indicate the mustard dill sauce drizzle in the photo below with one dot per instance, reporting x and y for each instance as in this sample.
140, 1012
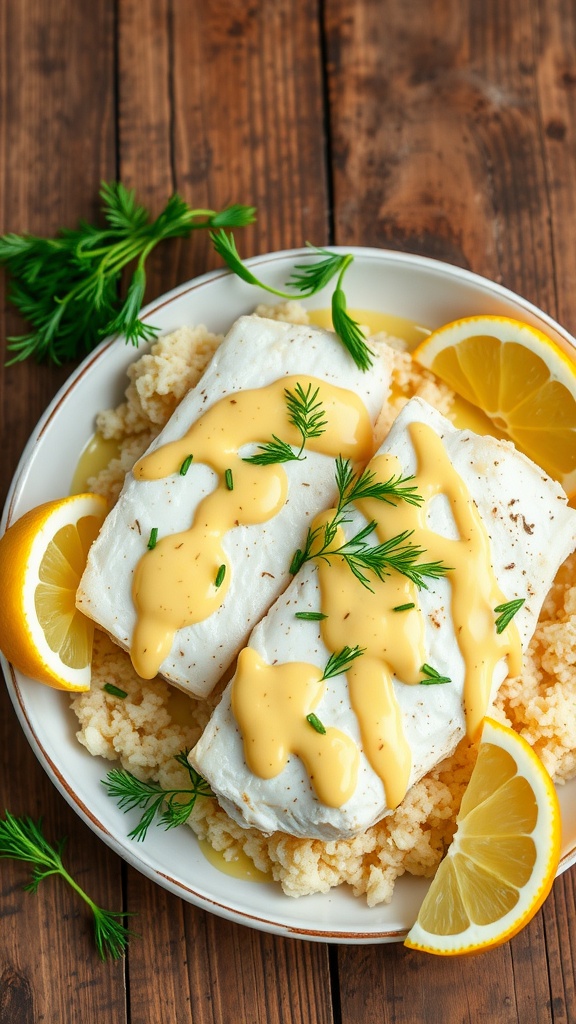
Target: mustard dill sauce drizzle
271, 702
175, 583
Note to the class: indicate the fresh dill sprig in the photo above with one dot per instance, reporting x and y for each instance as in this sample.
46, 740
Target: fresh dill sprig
306, 413
306, 280
316, 724
398, 553
340, 661
173, 806
507, 612
353, 488
432, 676
23, 839
272, 452
68, 287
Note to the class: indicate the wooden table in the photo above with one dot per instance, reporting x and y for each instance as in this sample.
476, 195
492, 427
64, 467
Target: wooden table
441, 127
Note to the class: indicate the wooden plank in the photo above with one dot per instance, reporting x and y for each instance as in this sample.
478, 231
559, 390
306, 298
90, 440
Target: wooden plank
56, 143
555, 76
437, 136
189, 965
223, 102
394, 985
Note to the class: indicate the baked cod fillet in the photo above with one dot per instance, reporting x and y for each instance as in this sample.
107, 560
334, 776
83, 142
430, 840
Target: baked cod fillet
289, 750
198, 545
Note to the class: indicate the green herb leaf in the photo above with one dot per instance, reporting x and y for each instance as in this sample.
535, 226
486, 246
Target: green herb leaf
272, 452
432, 676
309, 278
23, 839
353, 488
340, 661
306, 411
404, 607
68, 287
310, 616
316, 724
114, 691
349, 331
229, 479
220, 576
507, 612
153, 538
172, 806
186, 465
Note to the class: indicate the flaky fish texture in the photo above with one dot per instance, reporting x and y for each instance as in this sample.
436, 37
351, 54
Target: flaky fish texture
532, 531
255, 353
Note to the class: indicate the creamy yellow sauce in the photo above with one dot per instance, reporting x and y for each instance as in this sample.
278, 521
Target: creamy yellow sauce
397, 326
184, 578
239, 867
95, 457
271, 702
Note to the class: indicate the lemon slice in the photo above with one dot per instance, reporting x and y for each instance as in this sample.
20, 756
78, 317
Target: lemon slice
504, 856
520, 378
42, 557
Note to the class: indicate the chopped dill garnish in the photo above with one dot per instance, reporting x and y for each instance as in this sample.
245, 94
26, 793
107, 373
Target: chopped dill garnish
432, 676
153, 538
404, 607
186, 465
114, 691
315, 722
220, 576
507, 612
229, 479
310, 616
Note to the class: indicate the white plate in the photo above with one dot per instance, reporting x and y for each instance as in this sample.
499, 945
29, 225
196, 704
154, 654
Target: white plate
423, 290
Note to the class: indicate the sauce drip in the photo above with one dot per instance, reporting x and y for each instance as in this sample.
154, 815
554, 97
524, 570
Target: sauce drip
270, 704
179, 581
394, 642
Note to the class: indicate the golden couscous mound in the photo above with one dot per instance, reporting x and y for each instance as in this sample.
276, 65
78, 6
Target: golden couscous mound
150, 725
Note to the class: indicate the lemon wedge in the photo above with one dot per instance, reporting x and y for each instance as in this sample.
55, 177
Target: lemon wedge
42, 557
503, 859
520, 378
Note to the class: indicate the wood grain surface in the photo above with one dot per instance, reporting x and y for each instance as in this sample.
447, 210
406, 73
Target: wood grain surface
442, 127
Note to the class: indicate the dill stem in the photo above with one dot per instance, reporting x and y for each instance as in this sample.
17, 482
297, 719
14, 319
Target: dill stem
347, 261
